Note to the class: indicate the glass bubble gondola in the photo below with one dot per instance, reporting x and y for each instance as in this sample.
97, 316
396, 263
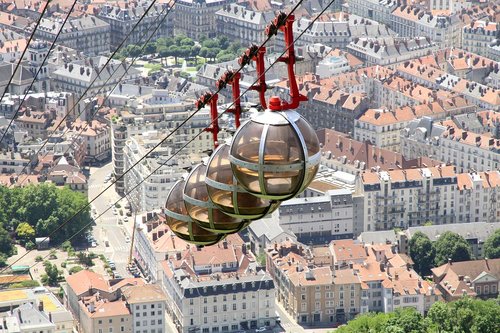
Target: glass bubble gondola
181, 223
227, 195
202, 210
275, 155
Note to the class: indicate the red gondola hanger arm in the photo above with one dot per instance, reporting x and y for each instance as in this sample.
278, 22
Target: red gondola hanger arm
233, 78
284, 23
257, 54
211, 98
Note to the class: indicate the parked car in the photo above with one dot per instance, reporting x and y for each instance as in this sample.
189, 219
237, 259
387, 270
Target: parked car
261, 329
127, 239
93, 244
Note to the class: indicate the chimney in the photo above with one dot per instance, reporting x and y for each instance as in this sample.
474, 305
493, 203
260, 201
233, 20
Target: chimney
464, 135
449, 261
178, 255
396, 276
50, 317
224, 244
40, 306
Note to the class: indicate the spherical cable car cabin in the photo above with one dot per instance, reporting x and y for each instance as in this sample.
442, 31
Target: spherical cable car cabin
227, 195
202, 210
181, 223
276, 154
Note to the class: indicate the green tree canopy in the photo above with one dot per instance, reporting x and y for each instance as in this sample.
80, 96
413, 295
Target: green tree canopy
42, 208
25, 231
451, 246
421, 252
463, 316
51, 274
492, 246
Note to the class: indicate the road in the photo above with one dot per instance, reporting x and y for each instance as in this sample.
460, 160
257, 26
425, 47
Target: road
107, 227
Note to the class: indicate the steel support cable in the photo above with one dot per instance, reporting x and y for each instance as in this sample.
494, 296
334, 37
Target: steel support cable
83, 128
24, 51
98, 76
172, 156
39, 69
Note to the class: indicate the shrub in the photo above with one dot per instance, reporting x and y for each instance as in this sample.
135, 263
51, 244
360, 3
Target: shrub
38, 259
75, 269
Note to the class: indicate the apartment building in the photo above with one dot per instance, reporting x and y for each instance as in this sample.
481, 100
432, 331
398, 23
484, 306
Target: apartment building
35, 123
332, 284
97, 137
37, 309
338, 30
13, 162
434, 78
123, 18
87, 34
26, 319
348, 155
474, 278
155, 184
411, 197
387, 51
120, 305
466, 150
21, 79
147, 110
317, 219
80, 75
478, 35
242, 24
311, 293
197, 18
147, 306
153, 242
382, 127
218, 289
333, 108
377, 10
443, 28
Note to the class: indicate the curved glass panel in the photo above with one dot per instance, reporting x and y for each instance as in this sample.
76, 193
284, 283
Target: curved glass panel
225, 193
201, 209
181, 224
281, 167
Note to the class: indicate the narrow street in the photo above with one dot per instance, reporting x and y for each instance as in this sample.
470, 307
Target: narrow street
107, 228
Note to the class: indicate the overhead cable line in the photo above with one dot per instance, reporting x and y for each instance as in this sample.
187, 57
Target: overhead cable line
168, 136
98, 76
39, 69
24, 52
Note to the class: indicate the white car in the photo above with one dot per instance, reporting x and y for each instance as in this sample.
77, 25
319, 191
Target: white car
261, 329
125, 219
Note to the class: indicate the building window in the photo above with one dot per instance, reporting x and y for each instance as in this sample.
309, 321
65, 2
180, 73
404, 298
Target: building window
122, 329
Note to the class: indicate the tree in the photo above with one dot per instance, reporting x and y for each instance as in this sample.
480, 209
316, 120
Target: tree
451, 246
421, 252
133, 51
25, 232
51, 274
439, 317
174, 51
84, 259
6, 246
492, 246
150, 48
195, 51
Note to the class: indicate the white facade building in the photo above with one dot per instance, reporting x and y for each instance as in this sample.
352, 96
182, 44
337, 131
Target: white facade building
319, 218
217, 289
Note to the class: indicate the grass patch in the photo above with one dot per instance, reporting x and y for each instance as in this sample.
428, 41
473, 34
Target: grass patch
153, 67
